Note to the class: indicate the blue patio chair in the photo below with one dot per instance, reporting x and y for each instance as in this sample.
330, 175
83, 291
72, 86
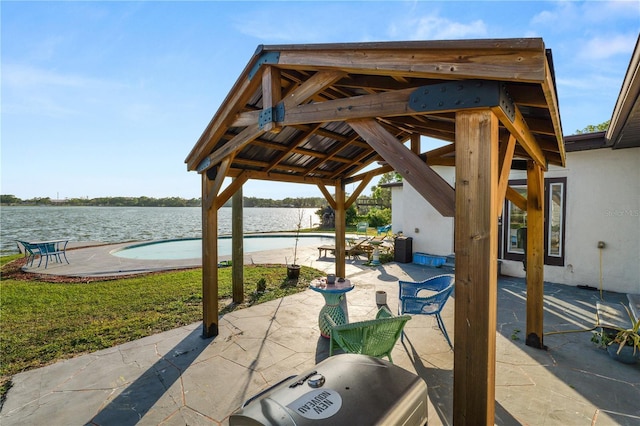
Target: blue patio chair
30, 251
53, 249
384, 229
413, 301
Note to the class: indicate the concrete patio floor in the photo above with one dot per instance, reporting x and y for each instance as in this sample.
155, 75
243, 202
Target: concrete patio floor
177, 377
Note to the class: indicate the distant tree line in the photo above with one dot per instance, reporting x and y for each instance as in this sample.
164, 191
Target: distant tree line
382, 197
298, 202
9, 200
103, 201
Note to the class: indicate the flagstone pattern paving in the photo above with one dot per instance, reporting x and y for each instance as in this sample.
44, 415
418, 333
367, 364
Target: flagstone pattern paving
177, 377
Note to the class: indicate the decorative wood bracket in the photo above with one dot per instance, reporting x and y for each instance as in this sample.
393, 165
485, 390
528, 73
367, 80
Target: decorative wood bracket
271, 115
457, 95
204, 165
265, 58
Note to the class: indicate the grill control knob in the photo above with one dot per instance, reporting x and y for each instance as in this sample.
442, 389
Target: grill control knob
316, 381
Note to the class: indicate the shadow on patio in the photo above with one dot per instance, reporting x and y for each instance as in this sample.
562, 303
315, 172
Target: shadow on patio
179, 378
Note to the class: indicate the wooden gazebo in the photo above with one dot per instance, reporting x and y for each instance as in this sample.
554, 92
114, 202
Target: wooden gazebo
335, 114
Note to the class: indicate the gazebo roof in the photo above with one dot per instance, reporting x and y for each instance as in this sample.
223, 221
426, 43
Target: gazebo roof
287, 116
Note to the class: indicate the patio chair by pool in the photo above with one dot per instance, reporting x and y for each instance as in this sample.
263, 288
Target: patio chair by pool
30, 251
352, 249
375, 337
384, 229
53, 249
414, 302
362, 227
356, 248
368, 246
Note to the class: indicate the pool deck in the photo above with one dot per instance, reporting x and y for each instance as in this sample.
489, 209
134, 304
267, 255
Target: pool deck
94, 260
177, 377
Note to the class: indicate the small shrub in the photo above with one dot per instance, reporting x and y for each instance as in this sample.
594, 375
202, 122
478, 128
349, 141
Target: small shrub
515, 335
261, 286
379, 217
386, 257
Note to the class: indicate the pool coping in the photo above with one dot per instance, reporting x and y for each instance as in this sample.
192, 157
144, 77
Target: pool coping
223, 237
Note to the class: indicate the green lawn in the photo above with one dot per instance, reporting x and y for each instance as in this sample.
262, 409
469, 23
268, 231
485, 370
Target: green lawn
41, 322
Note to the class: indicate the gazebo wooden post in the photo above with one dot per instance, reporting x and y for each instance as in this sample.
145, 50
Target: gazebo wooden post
340, 218
535, 255
476, 237
209, 260
415, 143
237, 252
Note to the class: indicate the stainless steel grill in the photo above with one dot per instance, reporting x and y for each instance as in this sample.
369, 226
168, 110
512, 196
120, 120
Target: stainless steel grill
344, 389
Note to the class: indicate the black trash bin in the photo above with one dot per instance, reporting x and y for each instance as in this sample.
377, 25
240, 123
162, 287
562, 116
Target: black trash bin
403, 250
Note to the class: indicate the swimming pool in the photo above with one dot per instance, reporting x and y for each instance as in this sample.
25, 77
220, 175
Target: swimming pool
191, 248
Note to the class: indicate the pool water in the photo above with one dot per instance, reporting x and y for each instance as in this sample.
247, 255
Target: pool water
191, 248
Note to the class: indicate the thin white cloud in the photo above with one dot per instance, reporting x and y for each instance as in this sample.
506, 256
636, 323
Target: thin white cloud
560, 13
564, 16
23, 76
587, 83
305, 24
602, 47
612, 11
544, 17
435, 27
278, 32
35, 91
40, 105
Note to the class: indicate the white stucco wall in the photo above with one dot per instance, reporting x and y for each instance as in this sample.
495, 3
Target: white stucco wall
431, 232
603, 204
397, 212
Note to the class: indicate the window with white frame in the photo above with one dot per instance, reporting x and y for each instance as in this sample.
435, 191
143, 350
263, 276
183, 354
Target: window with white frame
514, 222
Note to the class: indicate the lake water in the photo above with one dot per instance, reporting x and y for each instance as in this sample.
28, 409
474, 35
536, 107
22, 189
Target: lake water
119, 224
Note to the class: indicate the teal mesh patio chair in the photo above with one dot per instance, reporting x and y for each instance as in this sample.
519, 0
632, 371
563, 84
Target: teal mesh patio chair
54, 249
375, 337
362, 227
427, 298
30, 251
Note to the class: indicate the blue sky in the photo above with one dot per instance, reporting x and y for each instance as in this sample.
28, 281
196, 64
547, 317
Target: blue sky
108, 98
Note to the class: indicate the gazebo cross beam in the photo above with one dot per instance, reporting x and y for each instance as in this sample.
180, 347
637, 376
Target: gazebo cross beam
437, 98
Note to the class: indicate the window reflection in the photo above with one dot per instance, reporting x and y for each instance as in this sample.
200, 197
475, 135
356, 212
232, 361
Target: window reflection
517, 225
556, 199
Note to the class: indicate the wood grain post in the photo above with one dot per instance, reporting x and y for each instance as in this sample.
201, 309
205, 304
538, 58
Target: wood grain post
476, 238
237, 252
535, 255
340, 218
209, 261
415, 143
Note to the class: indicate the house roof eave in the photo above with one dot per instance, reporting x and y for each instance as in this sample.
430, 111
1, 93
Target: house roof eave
624, 127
